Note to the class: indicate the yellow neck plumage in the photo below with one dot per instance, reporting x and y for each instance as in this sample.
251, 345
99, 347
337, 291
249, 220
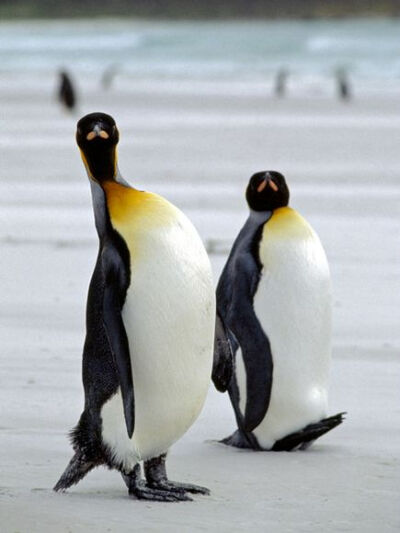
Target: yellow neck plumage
131, 209
286, 222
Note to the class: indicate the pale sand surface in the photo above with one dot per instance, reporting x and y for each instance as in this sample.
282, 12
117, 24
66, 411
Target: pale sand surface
198, 148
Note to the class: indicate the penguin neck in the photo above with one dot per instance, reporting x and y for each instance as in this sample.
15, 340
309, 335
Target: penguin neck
99, 201
259, 217
101, 216
101, 165
119, 179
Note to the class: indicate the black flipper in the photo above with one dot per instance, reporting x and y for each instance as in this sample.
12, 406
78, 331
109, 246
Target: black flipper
114, 295
304, 438
256, 352
77, 469
223, 357
235, 294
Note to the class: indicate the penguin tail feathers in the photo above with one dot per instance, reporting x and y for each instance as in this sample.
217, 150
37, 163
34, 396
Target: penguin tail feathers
77, 469
305, 437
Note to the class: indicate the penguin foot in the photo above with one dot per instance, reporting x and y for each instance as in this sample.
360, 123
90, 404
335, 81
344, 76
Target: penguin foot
139, 489
239, 439
156, 476
301, 440
143, 492
175, 486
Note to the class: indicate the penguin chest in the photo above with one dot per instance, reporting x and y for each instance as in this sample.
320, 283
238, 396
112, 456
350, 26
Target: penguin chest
293, 306
169, 317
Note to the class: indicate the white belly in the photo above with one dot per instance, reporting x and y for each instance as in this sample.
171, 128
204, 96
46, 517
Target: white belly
169, 316
293, 305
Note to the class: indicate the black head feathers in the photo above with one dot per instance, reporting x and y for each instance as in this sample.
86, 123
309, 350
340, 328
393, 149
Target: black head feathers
97, 137
267, 190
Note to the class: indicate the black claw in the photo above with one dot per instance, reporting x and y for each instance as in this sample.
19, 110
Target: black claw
156, 495
193, 489
156, 476
180, 488
242, 440
152, 490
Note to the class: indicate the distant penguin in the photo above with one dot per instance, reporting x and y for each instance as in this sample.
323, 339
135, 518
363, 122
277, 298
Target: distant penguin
274, 298
343, 85
108, 76
281, 82
66, 91
147, 358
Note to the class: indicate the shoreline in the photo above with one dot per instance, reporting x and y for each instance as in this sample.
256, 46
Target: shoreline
208, 12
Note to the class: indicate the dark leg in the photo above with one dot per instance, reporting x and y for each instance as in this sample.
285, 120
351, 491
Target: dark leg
304, 438
77, 469
142, 491
156, 475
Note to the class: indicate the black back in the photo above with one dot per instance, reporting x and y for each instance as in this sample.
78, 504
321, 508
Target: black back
235, 294
101, 370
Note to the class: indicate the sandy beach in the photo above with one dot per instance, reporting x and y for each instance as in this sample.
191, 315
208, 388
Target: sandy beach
197, 144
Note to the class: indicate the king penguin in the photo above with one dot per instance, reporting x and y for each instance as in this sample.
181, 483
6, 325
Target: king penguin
274, 298
66, 91
150, 322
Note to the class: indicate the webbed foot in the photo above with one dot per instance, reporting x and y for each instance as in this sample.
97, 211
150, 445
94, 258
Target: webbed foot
139, 489
239, 439
156, 476
175, 486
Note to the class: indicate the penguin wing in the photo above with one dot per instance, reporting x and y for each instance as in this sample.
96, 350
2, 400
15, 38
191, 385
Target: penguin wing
114, 294
223, 357
253, 341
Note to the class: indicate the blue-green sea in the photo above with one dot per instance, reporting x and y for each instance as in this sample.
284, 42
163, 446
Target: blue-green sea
246, 51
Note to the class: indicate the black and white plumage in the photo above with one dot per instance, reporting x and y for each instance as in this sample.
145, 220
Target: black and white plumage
148, 354
274, 298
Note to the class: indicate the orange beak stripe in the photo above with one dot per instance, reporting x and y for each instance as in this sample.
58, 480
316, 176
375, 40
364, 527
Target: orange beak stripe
92, 134
273, 185
262, 186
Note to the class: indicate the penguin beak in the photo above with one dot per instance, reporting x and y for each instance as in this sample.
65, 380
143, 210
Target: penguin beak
97, 132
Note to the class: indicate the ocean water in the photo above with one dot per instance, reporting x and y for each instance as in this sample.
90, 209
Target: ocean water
244, 51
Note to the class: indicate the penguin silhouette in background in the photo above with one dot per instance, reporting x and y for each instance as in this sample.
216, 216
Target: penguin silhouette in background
66, 91
274, 299
108, 76
148, 353
281, 82
343, 84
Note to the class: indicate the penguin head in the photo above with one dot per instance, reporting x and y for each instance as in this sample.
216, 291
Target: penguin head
267, 190
97, 137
